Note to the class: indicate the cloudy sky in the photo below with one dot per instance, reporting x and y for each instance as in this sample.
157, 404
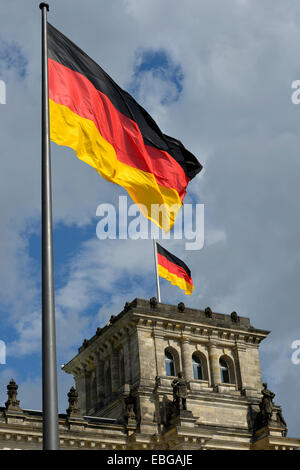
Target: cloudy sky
217, 75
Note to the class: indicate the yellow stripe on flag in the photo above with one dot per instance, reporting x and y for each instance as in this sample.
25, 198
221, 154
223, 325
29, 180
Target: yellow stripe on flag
175, 280
69, 129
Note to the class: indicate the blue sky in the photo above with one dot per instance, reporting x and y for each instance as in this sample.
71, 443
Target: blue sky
157, 65
218, 77
12, 58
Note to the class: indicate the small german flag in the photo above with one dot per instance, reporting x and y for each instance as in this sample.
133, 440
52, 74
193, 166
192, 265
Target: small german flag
174, 270
110, 131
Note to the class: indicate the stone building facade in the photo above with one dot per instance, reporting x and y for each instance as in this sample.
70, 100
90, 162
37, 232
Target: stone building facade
129, 387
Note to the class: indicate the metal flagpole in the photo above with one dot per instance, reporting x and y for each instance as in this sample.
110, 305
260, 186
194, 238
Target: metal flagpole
50, 407
156, 270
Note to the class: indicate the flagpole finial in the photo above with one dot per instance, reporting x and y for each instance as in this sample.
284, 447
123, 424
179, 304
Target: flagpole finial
43, 4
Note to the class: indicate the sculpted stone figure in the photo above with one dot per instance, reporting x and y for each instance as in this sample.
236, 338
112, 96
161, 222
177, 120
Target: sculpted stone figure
266, 405
73, 409
180, 392
269, 414
153, 302
129, 407
208, 312
12, 393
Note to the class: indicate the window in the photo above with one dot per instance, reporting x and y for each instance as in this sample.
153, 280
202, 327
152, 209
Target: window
224, 369
197, 367
170, 363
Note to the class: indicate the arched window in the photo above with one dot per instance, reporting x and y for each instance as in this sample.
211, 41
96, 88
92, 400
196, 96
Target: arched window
170, 363
225, 371
197, 367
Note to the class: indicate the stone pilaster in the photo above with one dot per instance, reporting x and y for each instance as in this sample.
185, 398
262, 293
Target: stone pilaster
88, 389
160, 346
127, 361
99, 377
114, 366
135, 356
80, 379
186, 354
248, 369
147, 356
214, 366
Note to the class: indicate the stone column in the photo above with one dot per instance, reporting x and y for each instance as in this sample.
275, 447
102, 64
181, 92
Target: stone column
127, 361
99, 377
160, 346
114, 367
88, 390
147, 356
80, 381
186, 354
213, 355
134, 356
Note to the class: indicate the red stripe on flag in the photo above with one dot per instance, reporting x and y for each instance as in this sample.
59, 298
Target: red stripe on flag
174, 268
76, 92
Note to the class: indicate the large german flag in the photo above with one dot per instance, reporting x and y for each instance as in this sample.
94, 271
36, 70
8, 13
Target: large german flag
111, 132
174, 270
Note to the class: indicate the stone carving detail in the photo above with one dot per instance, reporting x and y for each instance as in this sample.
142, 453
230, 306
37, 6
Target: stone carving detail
73, 409
181, 307
157, 383
99, 331
180, 392
234, 317
281, 422
12, 404
208, 312
266, 405
127, 306
130, 414
169, 410
269, 414
153, 302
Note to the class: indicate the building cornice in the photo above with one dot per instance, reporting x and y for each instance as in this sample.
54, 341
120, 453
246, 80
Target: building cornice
168, 321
